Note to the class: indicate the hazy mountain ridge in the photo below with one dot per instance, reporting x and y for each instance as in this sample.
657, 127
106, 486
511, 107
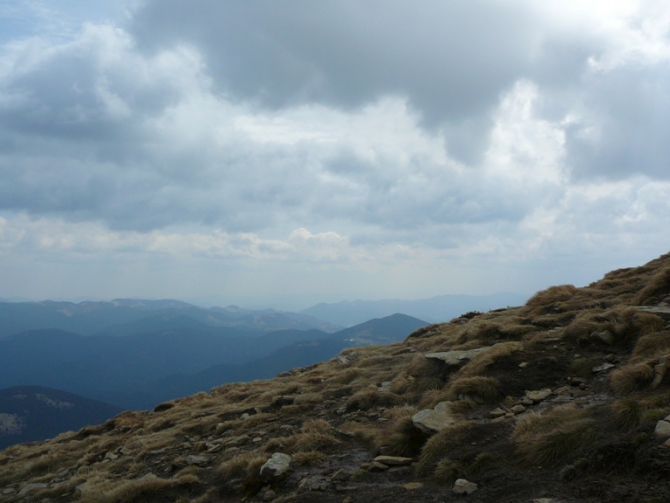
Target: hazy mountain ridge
122, 315
133, 371
435, 309
563, 399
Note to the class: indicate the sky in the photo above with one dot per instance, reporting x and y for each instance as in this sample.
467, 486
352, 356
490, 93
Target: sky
288, 153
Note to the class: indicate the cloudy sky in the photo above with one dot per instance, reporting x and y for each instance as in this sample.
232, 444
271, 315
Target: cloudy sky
292, 152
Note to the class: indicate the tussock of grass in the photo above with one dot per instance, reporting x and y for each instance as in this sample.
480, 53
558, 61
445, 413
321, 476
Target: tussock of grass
401, 437
440, 446
633, 377
545, 301
448, 470
309, 458
368, 398
487, 389
145, 489
656, 289
244, 466
628, 412
652, 345
554, 436
480, 362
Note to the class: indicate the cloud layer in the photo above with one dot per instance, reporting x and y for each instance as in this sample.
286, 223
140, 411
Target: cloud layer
344, 134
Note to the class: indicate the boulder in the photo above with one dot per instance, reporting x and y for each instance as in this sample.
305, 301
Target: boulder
276, 466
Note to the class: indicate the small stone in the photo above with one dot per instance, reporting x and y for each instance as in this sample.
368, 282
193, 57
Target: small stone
603, 336
341, 475
237, 441
538, 395
245, 416
497, 412
462, 486
603, 368
662, 429
197, 459
269, 495
347, 500
526, 401
499, 419
413, 486
518, 409
394, 460
523, 365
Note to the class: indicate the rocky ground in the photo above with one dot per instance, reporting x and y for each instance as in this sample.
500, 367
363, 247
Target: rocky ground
564, 399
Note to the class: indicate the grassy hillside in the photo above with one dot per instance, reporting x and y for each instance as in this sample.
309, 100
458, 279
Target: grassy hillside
563, 398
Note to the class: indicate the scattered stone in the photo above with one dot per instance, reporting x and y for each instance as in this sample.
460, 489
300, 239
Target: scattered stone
497, 413
269, 495
245, 416
394, 460
523, 365
257, 440
32, 487
660, 369
413, 486
526, 401
314, 483
462, 486
538, 395
499, 419
347, 500
518, 409
346, 359
111, 456
213, 447
340, 475
456, 358
603, 336
662, 429
237, 441
666, 444
509, 414
277, 465
603, 368
197, 460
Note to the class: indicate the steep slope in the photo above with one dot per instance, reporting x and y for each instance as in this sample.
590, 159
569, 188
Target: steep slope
29, 413
563, 398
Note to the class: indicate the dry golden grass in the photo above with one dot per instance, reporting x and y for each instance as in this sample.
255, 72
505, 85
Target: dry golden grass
486, 389
244, 466
633, 377
656, 289
653, 345
309, 458
400, 437
554, 436
370, 397
480, 362
440, 446
545, 301
148, 489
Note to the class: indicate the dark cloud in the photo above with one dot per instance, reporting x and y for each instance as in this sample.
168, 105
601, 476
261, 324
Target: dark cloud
626, 124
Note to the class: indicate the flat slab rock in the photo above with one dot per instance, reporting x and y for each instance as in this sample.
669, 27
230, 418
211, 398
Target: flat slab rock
433, 420
456, 358
394, 460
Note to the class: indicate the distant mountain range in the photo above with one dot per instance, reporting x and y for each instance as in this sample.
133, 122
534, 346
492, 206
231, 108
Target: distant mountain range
435, 309
138, 370
131, 316
30, 413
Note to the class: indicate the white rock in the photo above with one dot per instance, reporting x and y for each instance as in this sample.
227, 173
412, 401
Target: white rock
277, 465
462, 486
662, 429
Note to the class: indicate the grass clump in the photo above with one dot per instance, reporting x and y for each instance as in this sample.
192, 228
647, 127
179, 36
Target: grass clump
401, 437
441, 445
652, 345
553, 436
309, 458
633, 377
368, 398
448, 470
486, 389
480, 362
